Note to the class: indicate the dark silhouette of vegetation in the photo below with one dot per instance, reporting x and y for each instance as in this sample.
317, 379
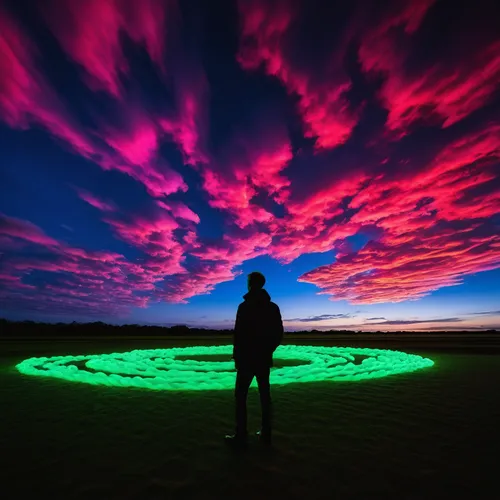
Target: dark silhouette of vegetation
20, 329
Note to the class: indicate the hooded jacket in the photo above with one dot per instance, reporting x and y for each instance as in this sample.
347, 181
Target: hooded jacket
258, 330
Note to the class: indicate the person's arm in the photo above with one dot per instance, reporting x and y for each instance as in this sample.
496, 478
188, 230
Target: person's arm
278, 328
237, 333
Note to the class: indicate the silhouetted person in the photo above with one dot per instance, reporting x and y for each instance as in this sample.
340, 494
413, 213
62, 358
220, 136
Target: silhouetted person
258, 331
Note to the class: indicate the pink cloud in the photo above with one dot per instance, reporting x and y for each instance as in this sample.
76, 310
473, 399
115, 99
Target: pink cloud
265, 28
217, 263
229, 194
153, 233
253, 161
91, 33
134, 151
81, 281
187, 126
137, 141
158, 178
179, 210
422, 248
91, 199
445, 91
25, 96
388, 271
315, 224
201, 280
26, 99
24, 230
235, 248
106, 282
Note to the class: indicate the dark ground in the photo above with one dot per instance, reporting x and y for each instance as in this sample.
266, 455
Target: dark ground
433, 433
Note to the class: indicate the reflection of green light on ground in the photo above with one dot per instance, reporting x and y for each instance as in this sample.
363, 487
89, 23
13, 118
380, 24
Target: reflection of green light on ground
160, 369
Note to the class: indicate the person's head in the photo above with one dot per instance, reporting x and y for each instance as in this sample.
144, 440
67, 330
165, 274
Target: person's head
256, 281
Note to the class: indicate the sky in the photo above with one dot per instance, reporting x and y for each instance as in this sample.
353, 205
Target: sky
154, 152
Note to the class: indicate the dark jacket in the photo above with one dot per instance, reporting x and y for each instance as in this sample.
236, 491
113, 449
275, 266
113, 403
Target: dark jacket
258, 330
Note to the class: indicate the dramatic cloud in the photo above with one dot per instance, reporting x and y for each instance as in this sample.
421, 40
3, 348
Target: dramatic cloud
200, 151
436, 226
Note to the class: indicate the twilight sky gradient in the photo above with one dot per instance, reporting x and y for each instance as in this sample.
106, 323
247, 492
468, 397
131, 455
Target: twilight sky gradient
154, 152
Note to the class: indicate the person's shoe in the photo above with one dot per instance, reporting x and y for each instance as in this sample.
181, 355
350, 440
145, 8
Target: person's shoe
236, 440
265, 438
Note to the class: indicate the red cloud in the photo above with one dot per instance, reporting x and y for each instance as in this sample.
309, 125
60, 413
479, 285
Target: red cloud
316, 223
253, 162
323, 106
445, 90
436, 227
389, 271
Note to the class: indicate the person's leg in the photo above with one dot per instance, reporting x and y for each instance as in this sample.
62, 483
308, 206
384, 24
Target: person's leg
265, 401
243, 380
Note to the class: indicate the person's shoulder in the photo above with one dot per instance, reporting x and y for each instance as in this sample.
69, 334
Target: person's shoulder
274, 306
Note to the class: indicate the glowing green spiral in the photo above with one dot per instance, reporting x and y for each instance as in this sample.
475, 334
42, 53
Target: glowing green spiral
160, 369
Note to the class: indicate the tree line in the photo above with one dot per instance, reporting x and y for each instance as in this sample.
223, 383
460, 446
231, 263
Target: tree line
99, 329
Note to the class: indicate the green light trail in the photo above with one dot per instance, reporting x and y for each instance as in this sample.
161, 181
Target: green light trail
160, 369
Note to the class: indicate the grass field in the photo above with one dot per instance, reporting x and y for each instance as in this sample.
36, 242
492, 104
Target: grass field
433, 433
